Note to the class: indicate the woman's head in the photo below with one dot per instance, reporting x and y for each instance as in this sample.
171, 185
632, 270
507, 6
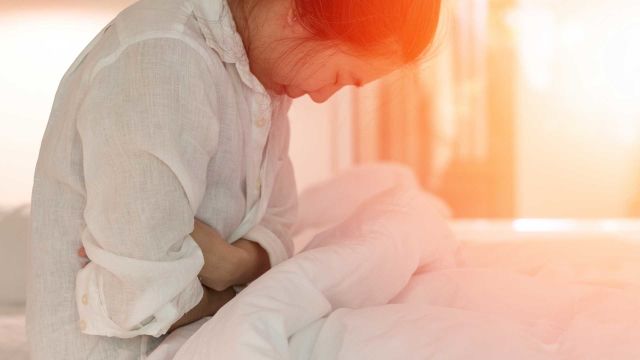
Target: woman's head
316, 47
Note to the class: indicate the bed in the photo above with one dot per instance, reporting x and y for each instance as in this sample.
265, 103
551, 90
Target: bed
525, 289
381, 275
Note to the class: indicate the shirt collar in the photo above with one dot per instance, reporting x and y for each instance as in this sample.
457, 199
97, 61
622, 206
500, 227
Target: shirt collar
216, 22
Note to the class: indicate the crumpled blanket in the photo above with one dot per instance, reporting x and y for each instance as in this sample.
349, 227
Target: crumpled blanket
382, 277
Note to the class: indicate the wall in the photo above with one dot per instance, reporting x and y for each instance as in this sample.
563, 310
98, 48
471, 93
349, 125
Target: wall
321, 143
578, 115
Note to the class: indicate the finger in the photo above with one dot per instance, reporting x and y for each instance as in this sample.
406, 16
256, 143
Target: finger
82, 252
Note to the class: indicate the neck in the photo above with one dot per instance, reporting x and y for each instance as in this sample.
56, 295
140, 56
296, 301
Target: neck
241, 10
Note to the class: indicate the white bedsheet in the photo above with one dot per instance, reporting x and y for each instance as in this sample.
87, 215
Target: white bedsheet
390, 282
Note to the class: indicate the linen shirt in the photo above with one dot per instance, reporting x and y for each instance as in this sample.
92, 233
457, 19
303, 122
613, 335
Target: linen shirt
158, 121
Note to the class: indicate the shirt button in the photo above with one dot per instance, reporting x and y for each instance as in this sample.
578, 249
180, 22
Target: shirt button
82, 324
85, 299
261, 122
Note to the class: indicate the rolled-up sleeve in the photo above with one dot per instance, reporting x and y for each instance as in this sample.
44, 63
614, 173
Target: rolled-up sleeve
148, 130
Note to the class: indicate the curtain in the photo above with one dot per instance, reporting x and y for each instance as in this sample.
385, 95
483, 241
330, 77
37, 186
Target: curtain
450, 118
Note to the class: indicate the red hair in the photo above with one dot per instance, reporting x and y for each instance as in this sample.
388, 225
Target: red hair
370, 26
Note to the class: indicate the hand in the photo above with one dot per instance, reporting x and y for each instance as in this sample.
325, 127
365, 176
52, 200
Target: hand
228, 264
257, 260
221, 260
210, 303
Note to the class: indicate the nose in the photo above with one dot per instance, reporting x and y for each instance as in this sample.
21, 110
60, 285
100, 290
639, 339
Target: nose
322, 95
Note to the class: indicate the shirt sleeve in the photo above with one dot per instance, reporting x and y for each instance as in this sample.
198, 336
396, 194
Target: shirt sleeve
274, 231
148, 129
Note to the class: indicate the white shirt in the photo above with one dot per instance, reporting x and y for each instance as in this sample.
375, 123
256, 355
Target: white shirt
158, 121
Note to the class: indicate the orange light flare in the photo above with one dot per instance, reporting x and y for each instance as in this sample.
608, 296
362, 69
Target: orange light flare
595, 45
578, 106
587, 55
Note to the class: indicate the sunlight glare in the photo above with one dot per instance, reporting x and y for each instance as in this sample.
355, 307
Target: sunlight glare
38, 47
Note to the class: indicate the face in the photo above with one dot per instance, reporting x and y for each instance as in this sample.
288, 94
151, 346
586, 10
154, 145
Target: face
322, 73
284, 64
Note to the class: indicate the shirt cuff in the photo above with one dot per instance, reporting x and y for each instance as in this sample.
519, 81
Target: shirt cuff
269, 242
94, 319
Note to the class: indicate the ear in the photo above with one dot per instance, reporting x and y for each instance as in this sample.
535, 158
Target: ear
291, 17
293, 24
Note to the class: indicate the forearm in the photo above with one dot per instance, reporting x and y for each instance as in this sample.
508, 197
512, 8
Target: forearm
226, 265
255, 261
211, 302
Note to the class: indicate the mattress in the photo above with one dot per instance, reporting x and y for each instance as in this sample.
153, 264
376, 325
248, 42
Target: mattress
13, 339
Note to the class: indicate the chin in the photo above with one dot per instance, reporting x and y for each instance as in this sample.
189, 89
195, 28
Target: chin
293, 94
278, 90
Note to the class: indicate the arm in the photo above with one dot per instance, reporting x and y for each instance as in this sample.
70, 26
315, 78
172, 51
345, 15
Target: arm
211, 302
148, 129
270, 241
226, 265
274, 231
265, 245
255, 261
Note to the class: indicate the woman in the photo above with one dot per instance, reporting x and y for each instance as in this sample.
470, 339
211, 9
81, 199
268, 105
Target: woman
165, 158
